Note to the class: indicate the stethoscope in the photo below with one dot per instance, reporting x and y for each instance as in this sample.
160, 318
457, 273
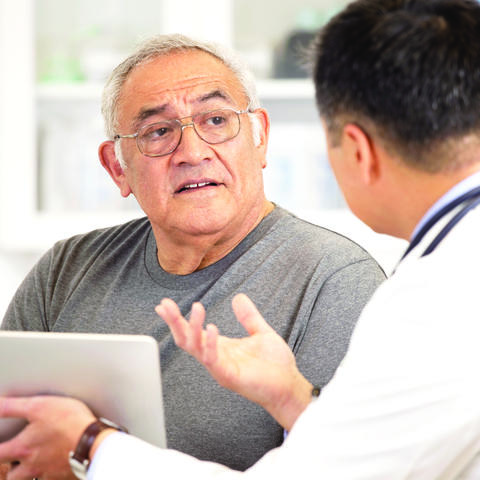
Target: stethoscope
471, 200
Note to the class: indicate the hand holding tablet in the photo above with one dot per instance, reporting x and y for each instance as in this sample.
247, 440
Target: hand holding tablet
117, 376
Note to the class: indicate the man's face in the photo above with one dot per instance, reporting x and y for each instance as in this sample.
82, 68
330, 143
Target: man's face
343, 158
354, 161
228, 176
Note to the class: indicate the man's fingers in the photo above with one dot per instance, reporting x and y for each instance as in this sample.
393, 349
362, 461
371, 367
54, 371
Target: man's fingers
172, 316
22, 471
187, 335
16, 407
197, 317
171, 310
4, 469
248, 315
9, 453
210, 353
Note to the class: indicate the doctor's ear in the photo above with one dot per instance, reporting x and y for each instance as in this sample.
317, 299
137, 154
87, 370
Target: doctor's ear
115, 166
361, 149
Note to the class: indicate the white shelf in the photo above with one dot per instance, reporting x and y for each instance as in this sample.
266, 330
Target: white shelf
267, 89
295, 89
69, 91
43, 229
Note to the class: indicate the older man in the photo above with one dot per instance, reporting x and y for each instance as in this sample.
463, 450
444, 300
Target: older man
189, 141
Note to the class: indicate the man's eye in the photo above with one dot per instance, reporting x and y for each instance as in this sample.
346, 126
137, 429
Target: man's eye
216, 121
157, 132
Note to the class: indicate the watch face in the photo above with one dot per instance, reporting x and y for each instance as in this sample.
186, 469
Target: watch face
79, 469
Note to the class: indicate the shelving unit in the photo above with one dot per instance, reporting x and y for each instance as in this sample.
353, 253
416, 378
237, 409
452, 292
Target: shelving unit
292, 89
25, 226
17, 123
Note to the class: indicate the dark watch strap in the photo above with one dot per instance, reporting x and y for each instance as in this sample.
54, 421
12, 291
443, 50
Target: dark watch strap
79, 459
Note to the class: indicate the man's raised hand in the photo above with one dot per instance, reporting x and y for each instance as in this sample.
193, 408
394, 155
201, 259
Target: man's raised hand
260, 366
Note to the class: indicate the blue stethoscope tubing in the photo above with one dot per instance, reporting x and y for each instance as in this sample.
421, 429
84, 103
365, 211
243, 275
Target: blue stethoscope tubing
471, 200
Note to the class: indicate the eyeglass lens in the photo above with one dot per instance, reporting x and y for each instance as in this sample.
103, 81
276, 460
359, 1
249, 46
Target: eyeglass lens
213, 127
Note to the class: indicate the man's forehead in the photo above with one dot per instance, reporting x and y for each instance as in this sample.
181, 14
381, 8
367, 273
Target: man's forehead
199, 89
172, 105
193, 77
179, 101
179, 71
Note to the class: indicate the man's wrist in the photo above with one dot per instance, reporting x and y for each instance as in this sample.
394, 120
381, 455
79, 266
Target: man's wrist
94, 433
299, 397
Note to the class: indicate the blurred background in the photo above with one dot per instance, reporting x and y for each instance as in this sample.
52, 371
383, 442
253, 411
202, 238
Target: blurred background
55, 56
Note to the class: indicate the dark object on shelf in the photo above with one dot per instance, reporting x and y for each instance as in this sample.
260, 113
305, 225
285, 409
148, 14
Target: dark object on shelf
289, 59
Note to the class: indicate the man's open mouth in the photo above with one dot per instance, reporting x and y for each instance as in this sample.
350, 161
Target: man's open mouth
196, 186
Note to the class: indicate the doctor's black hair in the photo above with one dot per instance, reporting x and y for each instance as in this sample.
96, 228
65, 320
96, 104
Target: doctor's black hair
408, 68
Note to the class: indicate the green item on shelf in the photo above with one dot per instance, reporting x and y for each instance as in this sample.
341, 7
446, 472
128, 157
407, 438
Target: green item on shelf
61, 68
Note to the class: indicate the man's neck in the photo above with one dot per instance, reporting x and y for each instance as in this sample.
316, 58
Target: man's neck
451, 197
424, 192
187, 253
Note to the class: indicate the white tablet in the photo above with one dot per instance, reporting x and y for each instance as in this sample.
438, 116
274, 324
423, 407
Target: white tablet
117, 376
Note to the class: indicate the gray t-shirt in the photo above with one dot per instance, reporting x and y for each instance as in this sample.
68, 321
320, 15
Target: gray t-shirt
309, 283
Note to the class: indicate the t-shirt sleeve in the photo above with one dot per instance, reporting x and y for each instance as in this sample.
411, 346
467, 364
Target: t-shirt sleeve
340, 300
28, 309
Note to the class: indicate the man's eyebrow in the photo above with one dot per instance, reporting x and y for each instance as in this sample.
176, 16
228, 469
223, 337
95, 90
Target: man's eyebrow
147, 113
214, 94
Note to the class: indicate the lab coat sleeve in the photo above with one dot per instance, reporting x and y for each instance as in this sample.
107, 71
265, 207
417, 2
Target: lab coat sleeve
122, 456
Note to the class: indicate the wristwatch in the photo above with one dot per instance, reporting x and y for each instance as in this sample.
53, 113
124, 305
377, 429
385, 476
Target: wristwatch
79, 459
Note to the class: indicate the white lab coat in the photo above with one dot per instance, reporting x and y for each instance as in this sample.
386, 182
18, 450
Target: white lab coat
405, 402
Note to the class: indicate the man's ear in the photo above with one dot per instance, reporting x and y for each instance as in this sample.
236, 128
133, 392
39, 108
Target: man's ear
361, 150
260, 130
109, 161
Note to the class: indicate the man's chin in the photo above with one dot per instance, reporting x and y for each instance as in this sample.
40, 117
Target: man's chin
204, 221
206, 227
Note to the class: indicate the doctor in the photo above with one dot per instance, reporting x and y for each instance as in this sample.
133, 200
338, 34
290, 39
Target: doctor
398, 87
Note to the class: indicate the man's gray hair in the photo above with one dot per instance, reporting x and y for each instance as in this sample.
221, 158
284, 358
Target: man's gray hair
162, 45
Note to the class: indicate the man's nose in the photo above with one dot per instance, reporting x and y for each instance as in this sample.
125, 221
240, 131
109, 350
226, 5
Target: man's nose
192, 148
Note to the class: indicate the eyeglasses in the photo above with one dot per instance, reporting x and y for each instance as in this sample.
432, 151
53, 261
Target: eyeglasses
162, 138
